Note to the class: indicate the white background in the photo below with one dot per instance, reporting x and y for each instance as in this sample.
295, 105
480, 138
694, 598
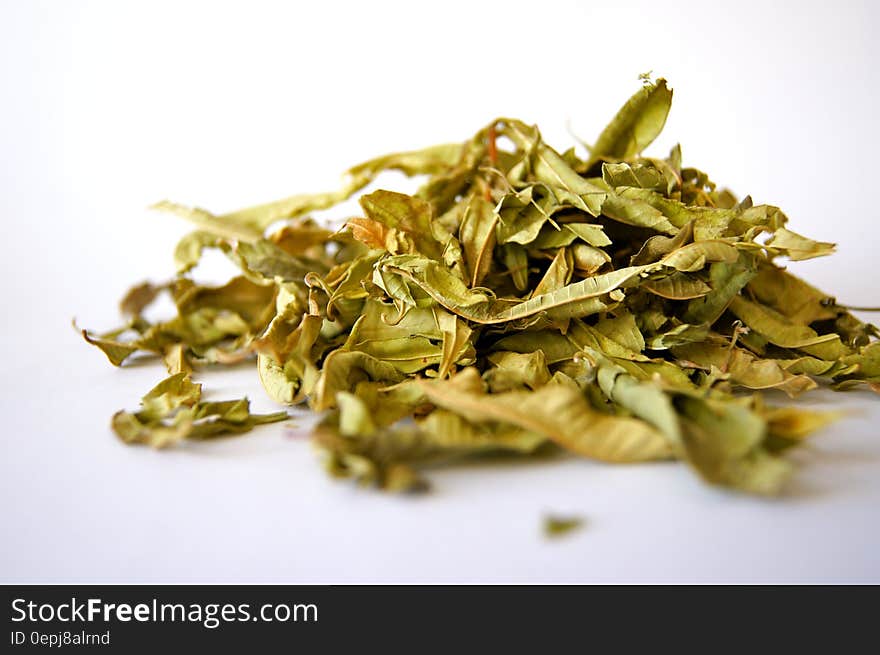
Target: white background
108, 107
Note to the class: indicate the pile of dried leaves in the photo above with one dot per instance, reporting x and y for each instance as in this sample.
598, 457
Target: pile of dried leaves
619, 307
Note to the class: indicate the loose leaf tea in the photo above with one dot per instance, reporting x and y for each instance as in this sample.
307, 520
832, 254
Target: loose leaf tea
619, 307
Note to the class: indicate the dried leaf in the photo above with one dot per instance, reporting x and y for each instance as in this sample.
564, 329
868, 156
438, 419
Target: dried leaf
562, 415
477, 234
172, 411
637, 123
116, 351
797, 247
559, 526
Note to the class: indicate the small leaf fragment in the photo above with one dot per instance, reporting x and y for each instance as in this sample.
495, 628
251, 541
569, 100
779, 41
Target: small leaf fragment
559, 526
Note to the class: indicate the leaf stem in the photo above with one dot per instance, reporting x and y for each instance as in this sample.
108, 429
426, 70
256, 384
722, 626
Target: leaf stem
493, 148
853, 308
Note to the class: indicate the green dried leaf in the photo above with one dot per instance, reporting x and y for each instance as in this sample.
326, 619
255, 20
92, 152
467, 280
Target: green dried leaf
478, 238
745, 368
678, 286
594, 235
724, 443
726, 280
636, 125
476, 306
560, 526
208, 223
172, 411
775, 327
138, 298
264, 262
636, 212
640, 175
408, 214
514, 371
555, 346
557, 275
343, 370
797, 247
551, 170
116, 351
189, 249
523, 214
560, 414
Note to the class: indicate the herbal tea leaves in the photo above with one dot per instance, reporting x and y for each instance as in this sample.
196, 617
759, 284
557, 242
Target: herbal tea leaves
620, 307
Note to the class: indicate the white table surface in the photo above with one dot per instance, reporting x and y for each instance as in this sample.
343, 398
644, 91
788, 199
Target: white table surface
106, 109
